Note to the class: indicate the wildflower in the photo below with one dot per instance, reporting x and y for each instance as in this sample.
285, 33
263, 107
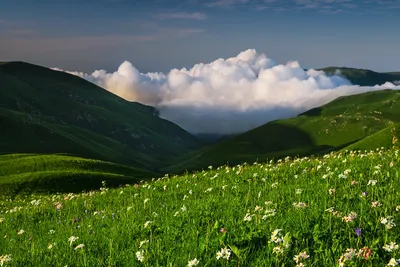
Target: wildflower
358, 231
224, 253
300, 205
176, 214
144, 242
354, 182
331, 191
393, 262
276, 237
50, 246
278, 250
21, 232
350, 217
183, 208
140, 255
300, 257
348, 256
268, 213
398, 208
376, 204
258, 208
146, 224
372, 182
80, 246
1, 220
72, 239
298, 191
274, 185
365, 252
5, 258
223, 230
390, 247
146, 200
388, 222
193, 262
248, 217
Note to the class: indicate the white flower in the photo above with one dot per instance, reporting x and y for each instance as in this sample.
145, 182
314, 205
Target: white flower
140, 255
390, 247
183, 209
146, 224
72, 239
5, 259
193, 262
21, 232
298, 191
80, 246
247, 217
224, 253
372, 182
393, 262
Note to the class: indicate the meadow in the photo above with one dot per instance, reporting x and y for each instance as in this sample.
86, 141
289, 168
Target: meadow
341, 209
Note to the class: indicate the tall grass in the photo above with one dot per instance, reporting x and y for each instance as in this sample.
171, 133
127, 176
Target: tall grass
339, 209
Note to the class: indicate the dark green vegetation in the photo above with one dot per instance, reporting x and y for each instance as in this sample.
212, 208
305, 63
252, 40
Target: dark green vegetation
25, 173
363, 77
47, 111
361, 121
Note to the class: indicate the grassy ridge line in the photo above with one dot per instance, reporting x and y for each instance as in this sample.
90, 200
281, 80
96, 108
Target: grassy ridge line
334, 126
60, 173
343, 206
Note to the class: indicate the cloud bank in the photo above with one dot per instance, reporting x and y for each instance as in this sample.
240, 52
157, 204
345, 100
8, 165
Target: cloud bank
228, 96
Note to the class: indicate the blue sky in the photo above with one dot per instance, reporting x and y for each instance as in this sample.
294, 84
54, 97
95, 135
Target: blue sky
158, 35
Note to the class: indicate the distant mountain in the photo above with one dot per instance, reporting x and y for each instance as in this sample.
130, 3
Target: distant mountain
47, 111
363, 77
362, 121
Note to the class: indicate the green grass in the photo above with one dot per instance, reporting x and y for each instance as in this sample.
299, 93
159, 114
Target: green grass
32, 173
334, 126
196, 215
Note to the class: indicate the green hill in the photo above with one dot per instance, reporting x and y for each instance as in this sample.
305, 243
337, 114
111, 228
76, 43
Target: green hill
336, 125
27, 173
47, 111
338, 210
363, 77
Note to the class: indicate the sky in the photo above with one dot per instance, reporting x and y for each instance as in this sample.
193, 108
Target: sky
212, 67
159, 35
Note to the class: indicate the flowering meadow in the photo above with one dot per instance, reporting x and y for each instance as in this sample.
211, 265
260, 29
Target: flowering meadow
342, 209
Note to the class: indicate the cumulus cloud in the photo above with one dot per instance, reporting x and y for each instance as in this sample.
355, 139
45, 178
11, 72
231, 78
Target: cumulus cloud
228, 96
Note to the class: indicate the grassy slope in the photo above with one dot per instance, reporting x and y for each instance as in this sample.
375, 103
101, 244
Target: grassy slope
93, 122
26, 173
182, 217
333, 126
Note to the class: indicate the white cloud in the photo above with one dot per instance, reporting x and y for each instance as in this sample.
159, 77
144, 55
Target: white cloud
228, 95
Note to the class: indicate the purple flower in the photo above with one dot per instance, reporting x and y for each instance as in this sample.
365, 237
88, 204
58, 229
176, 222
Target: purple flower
358, 231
